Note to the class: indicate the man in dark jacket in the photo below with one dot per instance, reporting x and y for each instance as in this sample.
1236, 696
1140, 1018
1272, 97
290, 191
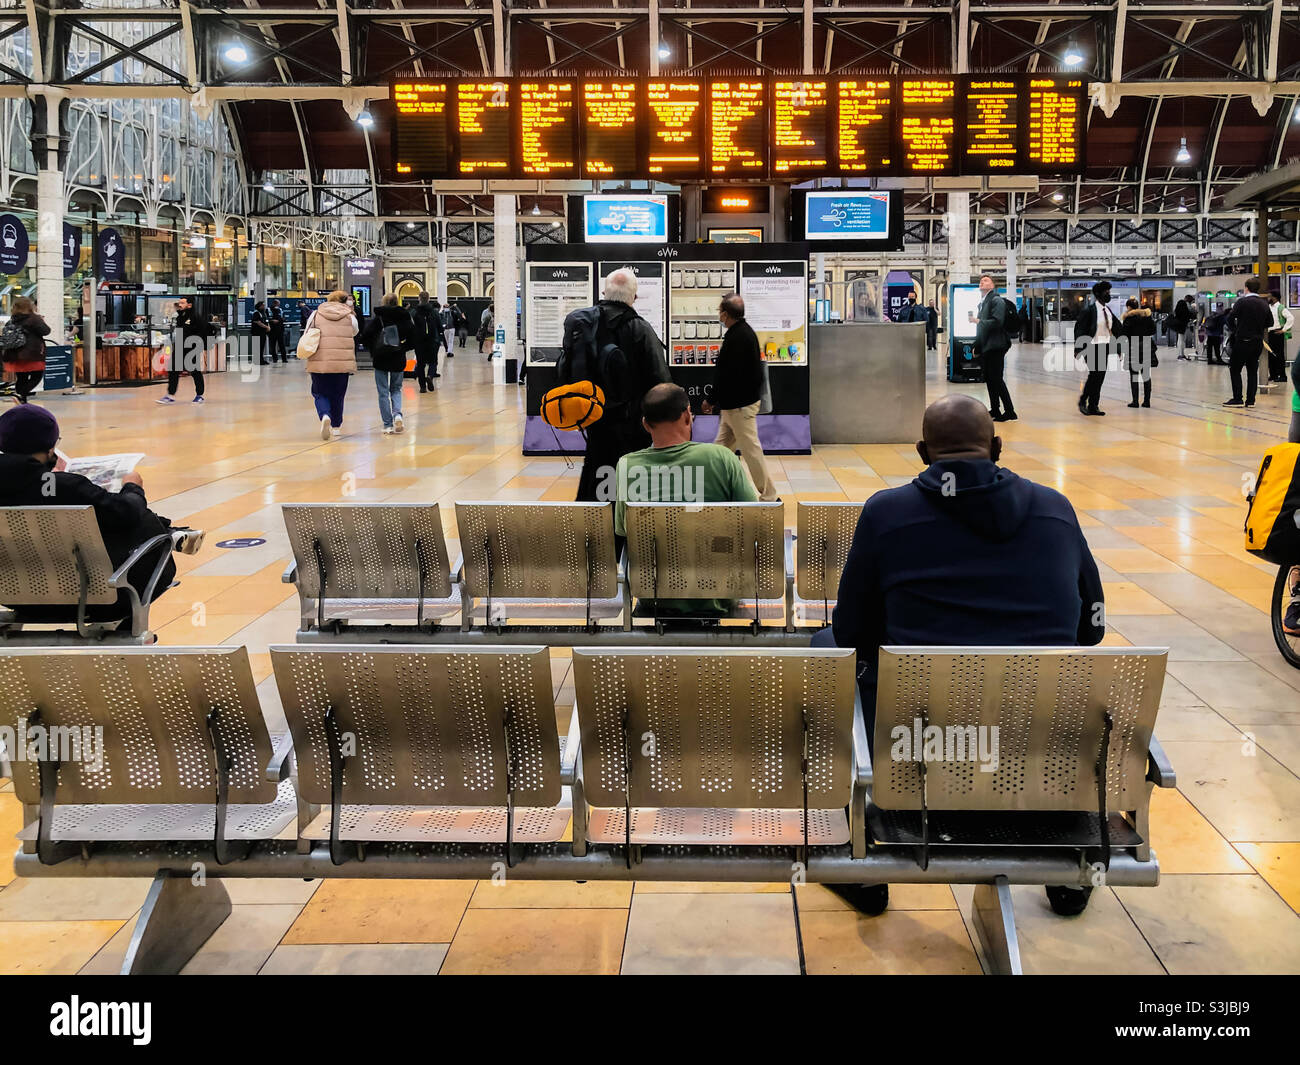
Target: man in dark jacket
1182, 321
260, 331
29, 477
911, 311
426, 332
620, 432
279, 331
991, 345
387, 336
189, 342
1250, 320
1094, 340
737, 392
931, 326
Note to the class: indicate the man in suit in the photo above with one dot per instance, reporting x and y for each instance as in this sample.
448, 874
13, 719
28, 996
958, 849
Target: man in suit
279, 329
991, 345
737, 391
1094, 336
1250, 320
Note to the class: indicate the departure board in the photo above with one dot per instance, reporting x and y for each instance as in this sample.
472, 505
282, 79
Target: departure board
992, 125
928, 125
483, 128
675, 117
738, 127
1055, 134
609, 127
756, 128
548, 128
864, 125
420, 133
800, 127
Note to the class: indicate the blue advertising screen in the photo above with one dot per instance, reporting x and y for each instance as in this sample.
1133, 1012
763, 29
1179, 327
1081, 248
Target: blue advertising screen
626, 219
846, 215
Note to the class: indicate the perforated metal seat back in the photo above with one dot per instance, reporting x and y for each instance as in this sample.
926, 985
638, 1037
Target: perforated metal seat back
1043, 708
538, 550
716, 728
706, 550
152, 705
824, 532
37, 562
369, 550
428, 725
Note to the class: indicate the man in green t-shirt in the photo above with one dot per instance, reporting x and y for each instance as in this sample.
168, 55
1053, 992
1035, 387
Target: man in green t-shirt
674, 469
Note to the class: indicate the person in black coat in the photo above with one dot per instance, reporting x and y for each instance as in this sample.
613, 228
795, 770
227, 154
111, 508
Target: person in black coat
189, 343
1139, 327
387, 336
279, 331
1250, 320
737, 392
427, 335
1094, 340
260, 330
992, 345
931, 327
30, 477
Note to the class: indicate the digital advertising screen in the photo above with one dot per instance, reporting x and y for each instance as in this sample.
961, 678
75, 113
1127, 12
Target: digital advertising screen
625, 219
849, 219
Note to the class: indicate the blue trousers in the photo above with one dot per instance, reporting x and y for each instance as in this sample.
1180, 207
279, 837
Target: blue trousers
328, 390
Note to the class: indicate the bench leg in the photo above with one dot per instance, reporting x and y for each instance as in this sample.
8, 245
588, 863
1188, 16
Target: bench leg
995, 924
178, 917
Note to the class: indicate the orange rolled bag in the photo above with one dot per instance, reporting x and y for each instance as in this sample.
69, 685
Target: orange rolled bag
573, 406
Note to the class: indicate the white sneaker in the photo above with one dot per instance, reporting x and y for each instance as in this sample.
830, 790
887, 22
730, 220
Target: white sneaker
398, 425
164, 399
324, 426
388, 430
335, 433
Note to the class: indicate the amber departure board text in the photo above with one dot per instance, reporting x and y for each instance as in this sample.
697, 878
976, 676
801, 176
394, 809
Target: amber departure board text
800, 127
737, 127
992, 126
864, 125
675, 115
421, 108
609, 127
483, 127
778, 127
1054, 127
548, 129
928, 125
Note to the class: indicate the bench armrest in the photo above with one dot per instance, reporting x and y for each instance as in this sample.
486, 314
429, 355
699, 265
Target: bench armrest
290, 574
1159, 769
569, 763
861, 749
281, 764
118, 579
789, 552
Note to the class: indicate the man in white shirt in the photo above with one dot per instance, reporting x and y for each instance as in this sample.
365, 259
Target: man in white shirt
1094, 336
1283, 320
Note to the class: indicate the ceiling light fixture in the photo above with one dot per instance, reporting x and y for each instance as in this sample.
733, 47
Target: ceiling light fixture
1182, 205
365, 120
1058, 196
1183, 156
1073, 55
665, 52
236, 53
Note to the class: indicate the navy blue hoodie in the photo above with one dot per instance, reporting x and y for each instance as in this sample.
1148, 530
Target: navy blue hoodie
996, 561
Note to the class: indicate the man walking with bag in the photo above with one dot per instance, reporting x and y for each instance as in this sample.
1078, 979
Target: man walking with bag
737, 391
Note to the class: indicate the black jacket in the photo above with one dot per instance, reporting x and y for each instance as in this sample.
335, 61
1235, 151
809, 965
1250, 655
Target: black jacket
383, 356
641, 348
1000, 561
1139, 327
275, 319
1250, 318
738, 377
124, 518
1182, 315
257, 323
913, 312
1085, 328
426, 329
991, 326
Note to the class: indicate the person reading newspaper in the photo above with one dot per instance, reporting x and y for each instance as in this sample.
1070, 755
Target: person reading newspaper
30, 477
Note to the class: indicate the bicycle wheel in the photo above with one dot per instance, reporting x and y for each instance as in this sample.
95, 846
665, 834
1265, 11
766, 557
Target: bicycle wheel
1282, 600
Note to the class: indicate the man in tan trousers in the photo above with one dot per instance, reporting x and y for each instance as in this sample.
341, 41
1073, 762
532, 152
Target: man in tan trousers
736, 391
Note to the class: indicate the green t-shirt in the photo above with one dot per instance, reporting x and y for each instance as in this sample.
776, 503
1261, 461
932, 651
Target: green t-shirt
685, 473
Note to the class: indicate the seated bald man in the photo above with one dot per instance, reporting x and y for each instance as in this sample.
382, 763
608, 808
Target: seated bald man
967, 554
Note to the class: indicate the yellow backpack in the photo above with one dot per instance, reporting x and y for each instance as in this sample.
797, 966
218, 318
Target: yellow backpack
1272, 529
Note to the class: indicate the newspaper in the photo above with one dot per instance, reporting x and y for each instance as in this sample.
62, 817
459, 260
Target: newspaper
106, 471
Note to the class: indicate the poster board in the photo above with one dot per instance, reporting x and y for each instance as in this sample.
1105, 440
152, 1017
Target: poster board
552, 292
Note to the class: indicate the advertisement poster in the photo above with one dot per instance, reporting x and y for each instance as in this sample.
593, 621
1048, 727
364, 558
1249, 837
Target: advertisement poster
626, 219
776, 306
71, 249
13, 244
112, 256
554, 290
651, 292
965, 311
847, 216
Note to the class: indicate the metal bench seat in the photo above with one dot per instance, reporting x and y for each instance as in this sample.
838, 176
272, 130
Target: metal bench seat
55, 557
438, 744
823, 535
720, 747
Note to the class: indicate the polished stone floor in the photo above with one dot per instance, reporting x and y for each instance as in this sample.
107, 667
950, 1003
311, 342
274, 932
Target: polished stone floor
1158, 491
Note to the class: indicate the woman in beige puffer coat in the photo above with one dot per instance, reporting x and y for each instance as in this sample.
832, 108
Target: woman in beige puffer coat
334, 362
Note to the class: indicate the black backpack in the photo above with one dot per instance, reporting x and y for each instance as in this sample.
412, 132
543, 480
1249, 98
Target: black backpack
590, 353
1014, 323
